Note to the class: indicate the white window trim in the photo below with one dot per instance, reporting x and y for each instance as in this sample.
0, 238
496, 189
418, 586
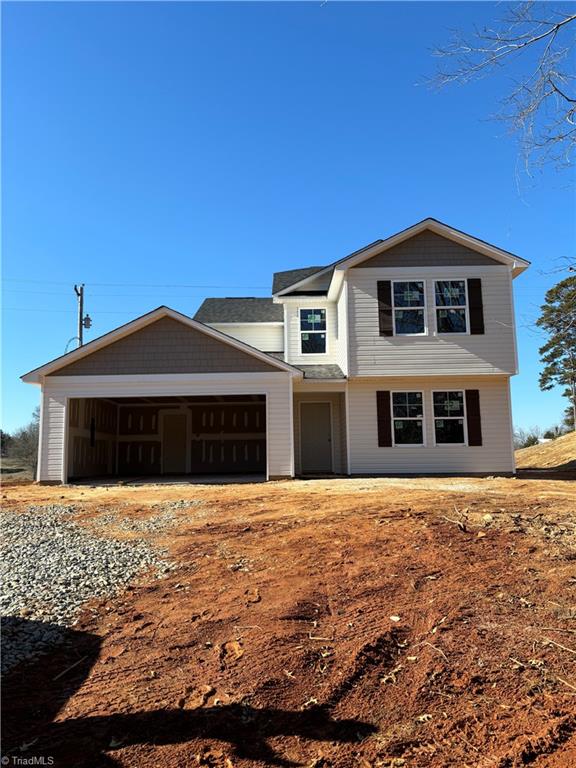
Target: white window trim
300, 332
424, 308
408, 418
464, 417
466, 309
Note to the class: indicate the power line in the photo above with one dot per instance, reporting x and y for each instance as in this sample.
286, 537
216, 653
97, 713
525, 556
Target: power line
136, 285
65, 311
103, 295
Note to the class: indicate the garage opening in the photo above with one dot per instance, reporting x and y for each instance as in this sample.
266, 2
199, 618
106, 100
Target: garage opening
144, 437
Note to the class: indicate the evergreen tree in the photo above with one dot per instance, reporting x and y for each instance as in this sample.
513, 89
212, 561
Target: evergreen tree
558, 320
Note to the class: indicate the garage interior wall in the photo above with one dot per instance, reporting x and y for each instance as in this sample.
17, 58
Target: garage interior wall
111, 437
92, 430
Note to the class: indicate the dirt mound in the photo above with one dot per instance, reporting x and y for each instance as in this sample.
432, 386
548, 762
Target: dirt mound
556, 454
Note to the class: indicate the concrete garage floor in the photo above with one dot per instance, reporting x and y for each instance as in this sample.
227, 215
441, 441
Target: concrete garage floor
171, 480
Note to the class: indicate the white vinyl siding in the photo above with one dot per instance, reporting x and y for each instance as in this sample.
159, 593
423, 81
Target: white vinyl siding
294, 353
494, 455
263, 336
276, 387
434, 354
52, 456
342, 331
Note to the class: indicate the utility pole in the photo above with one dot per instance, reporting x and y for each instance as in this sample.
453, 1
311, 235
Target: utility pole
84, 321
79, 291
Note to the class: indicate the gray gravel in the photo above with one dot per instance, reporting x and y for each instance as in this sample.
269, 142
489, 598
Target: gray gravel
165, 515
51, 567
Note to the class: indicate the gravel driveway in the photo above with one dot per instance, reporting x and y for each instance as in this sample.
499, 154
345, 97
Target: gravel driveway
50, 567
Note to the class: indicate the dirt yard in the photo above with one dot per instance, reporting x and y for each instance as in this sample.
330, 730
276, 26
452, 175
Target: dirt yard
415, 623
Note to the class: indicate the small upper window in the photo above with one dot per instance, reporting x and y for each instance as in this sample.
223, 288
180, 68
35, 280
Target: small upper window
449, 417
407, 418
313, 331
409, 307
451, 306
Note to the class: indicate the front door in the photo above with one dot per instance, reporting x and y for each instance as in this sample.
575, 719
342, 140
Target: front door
174, 443
316, 437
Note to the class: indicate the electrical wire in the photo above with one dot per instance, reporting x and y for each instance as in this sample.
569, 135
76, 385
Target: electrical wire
65, 311
135, 285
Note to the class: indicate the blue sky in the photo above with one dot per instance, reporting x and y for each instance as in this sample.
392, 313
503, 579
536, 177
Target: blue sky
204, 146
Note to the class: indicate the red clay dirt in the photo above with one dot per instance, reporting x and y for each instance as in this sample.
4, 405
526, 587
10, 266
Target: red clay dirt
416, 623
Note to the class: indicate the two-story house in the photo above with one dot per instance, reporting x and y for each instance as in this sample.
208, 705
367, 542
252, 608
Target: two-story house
395, 359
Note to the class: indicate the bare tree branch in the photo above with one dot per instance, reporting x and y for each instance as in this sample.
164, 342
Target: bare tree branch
536, 39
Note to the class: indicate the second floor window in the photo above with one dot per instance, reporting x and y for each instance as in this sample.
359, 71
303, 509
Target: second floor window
409, 307
451, 306
313, 331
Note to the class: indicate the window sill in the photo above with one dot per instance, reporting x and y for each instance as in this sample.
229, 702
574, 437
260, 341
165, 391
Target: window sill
451, 445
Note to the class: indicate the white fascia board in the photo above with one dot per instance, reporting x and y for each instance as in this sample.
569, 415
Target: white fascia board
245, 322
306, 301
157, 385
33, 376
295, 286
336, 284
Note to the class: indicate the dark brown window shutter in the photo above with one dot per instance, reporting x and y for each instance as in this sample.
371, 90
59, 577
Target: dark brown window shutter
385, 308
383, 419
475, 305
473, 419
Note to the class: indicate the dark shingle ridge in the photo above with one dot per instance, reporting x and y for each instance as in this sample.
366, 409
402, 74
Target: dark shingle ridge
236, 309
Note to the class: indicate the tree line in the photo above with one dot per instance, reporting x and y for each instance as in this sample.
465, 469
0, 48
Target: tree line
23, 444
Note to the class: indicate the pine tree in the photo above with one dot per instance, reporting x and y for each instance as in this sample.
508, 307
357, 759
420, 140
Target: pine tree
558, 320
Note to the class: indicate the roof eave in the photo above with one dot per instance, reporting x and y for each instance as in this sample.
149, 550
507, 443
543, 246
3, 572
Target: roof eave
36, 375
295, 286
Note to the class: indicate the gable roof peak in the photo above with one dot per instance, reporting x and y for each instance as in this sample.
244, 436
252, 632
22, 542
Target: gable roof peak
34, 376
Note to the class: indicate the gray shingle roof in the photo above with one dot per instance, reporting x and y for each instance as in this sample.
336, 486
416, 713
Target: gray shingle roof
321, 371
314, 371
283, 280
239, 310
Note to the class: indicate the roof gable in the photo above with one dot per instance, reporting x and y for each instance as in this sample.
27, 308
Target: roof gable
469, 242
475, 248
428, 249
163, 342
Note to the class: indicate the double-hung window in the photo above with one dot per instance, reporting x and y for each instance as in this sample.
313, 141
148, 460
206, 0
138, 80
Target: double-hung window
451, 306
313, 331
449, 418
409, 307
407, 418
